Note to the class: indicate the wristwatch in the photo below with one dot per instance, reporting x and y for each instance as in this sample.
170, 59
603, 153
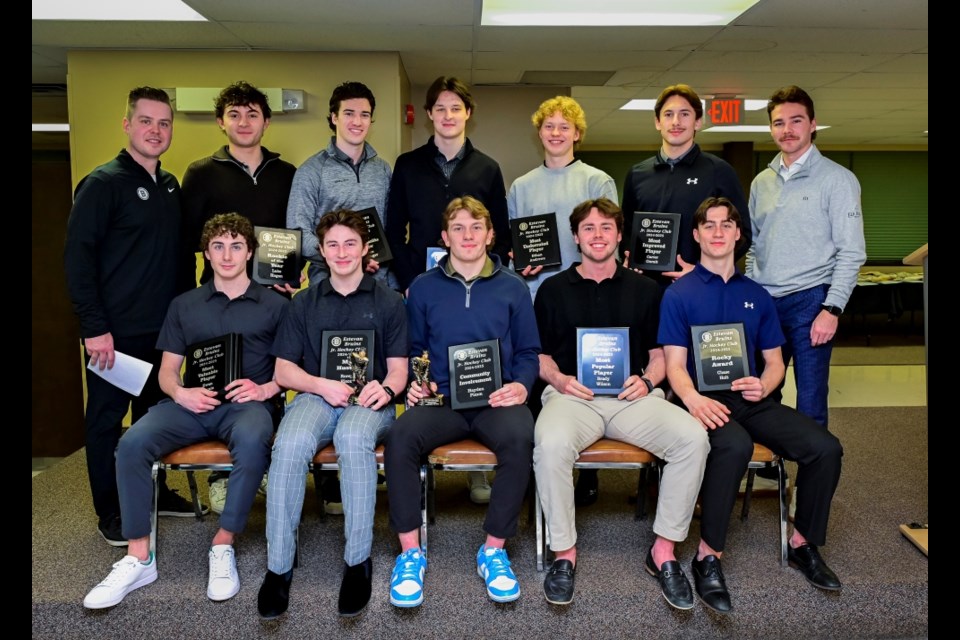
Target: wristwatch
832, 310
390, 392
647, 382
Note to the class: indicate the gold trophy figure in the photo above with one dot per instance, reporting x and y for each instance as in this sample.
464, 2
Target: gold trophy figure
358, 366
421, 373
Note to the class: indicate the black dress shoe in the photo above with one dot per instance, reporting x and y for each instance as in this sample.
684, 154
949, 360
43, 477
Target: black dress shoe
355, 589
587, 490
710, 584
807, 559
558, 585
675, 586
274, 594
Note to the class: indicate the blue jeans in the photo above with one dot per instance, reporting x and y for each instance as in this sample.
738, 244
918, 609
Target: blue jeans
811, 365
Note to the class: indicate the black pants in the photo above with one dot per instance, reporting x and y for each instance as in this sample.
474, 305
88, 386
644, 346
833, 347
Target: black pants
507, 431
106, 407
787, 433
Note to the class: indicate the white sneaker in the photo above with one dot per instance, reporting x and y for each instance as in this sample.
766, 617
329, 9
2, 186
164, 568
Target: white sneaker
263, 486
218, 495
479, 487
224, 583
128, 574
762, 484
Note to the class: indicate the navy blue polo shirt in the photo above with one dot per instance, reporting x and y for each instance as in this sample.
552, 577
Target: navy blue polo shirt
321, 307
205, 313
702, 297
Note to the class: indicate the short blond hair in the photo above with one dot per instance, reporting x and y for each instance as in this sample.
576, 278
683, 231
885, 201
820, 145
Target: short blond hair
569, 108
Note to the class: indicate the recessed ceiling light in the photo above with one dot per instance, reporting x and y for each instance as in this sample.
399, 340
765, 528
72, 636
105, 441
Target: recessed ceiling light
648, 105
155, 10
611, 13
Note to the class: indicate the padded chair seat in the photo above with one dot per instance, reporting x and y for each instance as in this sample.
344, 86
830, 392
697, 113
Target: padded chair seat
607, 451
210, 452
762, 454
328, 455
465, 452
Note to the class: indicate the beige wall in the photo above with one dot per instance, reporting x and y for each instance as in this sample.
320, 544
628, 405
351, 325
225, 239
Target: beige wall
98, 83
500, 126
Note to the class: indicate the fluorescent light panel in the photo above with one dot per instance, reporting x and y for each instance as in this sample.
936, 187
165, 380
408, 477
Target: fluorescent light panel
748, 128
154, 10
648, 105
51, 127
611, 13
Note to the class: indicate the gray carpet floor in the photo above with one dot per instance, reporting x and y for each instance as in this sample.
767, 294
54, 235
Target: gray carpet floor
885, 577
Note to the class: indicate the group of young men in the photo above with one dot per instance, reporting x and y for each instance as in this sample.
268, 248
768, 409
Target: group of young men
804, 210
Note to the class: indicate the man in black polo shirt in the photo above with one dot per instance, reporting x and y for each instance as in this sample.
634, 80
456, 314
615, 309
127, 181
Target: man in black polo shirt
229, 303
599, 293
321, 413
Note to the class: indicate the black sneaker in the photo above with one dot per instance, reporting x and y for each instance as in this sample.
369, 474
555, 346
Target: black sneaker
171, 503
111, 531
587, 490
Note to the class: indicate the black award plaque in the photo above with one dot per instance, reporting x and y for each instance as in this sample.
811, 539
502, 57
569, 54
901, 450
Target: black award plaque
474, 373
215, 363
536, 242
347, 355
277, 258
653, 241
718, 353
379, 247
603, 359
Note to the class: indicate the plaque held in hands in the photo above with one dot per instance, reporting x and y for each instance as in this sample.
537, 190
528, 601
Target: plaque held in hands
421, 374
718, 353
277, 258
379, 247
653, 241
536, 242
347, 355
215, 363
603, 359
474, 373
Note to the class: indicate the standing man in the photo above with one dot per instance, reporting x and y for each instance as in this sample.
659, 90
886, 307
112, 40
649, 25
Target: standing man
348, 299
122, 259
242, 176
808, 244
467, 298
428, 178
559, 185
229, 303
598, 292
347, 174
679, 177
716, 293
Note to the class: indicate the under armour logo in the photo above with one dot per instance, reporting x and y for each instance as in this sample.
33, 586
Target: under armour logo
692, 180
748, 305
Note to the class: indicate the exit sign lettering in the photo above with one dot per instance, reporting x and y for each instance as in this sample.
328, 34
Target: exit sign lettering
725, 110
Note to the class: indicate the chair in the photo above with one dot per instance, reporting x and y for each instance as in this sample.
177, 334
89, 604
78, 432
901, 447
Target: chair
462, 455
602, 454
212, 455
764, 458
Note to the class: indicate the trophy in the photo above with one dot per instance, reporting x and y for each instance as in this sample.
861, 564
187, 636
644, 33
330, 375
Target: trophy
358, 368
421, 373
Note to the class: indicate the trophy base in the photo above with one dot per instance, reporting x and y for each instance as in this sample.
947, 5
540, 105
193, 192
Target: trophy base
431, 401
353, 400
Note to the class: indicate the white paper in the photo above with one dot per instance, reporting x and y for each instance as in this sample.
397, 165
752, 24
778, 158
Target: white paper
128, 373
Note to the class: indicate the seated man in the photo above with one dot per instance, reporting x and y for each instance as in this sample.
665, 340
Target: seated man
598, 292
468, 297
716, 293
349, 299
229, 303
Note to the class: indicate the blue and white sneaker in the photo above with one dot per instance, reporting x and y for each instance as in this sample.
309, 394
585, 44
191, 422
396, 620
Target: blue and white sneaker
494, 567
406, 583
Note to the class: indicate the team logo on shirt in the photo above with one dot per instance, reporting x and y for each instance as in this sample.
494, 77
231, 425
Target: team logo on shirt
143, 194
692, 180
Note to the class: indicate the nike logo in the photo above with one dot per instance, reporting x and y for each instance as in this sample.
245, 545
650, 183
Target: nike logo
171, 189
